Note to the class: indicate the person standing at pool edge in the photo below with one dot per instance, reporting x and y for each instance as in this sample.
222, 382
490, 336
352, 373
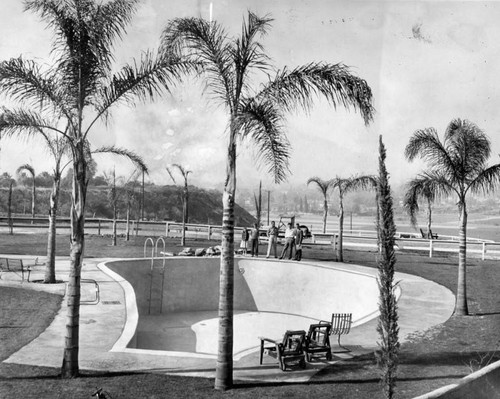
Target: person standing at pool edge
244, 241
289, 241
299, 237
272, 234
254, 240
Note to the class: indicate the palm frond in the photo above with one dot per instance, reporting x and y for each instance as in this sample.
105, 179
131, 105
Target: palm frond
323, 185
262, 123
300, 86
247, 52
28, 168
425, 143
486, 181
469, 147
132, 156
363, 182
205, 44
420, 187
141, 81
25, 82
24, 124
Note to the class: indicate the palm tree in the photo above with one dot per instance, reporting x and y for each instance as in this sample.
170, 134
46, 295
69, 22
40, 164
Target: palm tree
31, 170
345, 186
458, 165
420, 188
57, 148
185, 197
323, 186
257, 114
80, 89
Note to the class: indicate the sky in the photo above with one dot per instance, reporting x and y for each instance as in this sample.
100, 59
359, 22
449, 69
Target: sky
426, 63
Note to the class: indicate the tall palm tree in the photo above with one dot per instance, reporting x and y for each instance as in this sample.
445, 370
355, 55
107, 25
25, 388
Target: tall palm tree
345, 186
80, 88
31, 170
255, 113
457, 164
420, 187
323, 186
185, 197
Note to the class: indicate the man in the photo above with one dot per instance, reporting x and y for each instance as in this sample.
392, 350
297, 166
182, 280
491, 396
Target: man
254, 240
299, 237
289, 241
272, 235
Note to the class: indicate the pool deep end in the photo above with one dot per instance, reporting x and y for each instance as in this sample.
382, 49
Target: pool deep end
269, 298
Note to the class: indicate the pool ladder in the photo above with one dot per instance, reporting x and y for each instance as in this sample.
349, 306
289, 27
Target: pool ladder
154, 254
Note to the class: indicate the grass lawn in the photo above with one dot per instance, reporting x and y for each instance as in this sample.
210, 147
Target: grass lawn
429, 360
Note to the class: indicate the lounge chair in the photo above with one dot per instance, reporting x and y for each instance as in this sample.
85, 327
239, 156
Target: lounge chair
341, 325
289, 350
318, 341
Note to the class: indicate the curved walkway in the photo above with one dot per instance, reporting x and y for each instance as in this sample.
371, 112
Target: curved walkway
422, 305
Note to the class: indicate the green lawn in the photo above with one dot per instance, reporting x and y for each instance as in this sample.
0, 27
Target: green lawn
430, 360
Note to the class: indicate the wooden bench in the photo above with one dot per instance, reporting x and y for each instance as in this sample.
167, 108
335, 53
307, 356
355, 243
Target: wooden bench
14, 265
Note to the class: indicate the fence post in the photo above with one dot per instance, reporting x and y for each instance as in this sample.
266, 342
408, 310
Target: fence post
99, 227
430, 248
209, 232
334, 242
484, 250
167, 229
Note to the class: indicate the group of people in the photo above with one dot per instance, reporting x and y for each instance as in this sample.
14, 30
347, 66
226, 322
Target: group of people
293, 241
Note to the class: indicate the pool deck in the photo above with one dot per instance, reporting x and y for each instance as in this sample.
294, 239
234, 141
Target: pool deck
422, 305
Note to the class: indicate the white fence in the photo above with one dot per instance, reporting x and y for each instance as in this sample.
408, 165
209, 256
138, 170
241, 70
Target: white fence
354, 239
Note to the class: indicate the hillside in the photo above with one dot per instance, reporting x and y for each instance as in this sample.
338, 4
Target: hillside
161, 203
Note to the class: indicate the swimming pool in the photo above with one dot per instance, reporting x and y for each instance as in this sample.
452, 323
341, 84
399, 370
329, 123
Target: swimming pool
172, 307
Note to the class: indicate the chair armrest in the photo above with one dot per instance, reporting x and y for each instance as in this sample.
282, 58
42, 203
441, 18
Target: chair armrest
263, 339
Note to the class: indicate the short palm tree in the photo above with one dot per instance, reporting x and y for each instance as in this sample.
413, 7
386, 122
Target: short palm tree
345, 186
255, 113
323, 186
185, 197
457, 164
31, 170
80, 88
420, 187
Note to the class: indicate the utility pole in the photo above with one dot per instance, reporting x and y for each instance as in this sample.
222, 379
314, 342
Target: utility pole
142, 200
268, 204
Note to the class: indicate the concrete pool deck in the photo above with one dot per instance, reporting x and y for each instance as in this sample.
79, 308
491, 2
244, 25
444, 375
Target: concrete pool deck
422, 305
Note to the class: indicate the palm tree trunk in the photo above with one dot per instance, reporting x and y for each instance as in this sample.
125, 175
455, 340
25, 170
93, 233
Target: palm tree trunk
50, 269
33, 200
224, 367
461, 308
184, 218
325, 214
70, 366
127, 230
340, 250
113, 240
9, 210
429, 218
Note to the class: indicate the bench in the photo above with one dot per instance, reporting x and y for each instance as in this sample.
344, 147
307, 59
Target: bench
341, 325
14, 265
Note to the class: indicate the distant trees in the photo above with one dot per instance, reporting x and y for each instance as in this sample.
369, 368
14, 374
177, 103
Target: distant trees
185, 196
420, 187
345, 186
28, 168
324, 186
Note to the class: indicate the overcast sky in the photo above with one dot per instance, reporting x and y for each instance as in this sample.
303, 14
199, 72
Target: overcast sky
426, 62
